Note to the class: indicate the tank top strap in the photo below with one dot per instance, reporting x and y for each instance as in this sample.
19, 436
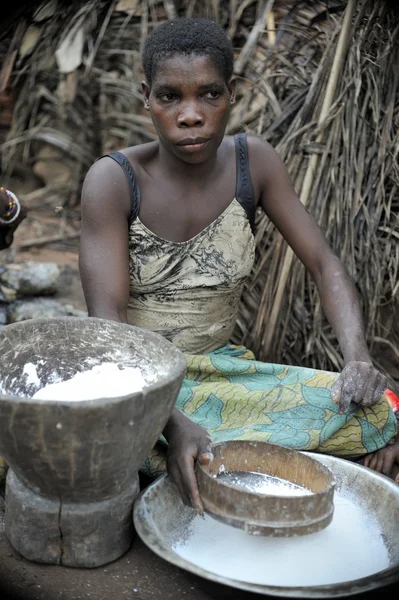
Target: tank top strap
244, 189
131, 178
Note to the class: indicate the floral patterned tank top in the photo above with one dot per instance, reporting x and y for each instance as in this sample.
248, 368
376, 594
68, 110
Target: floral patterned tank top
189, 292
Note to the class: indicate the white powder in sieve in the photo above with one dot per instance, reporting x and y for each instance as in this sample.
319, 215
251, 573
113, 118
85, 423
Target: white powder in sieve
262, 483
107, 380
351, 547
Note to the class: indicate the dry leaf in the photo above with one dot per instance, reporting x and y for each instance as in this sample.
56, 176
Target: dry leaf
45, 11
127, 6
67, 88
30, 40
51, 166
69, 53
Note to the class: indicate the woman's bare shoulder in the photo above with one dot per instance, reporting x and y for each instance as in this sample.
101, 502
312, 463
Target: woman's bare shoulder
141, 154
264, 160
106, 169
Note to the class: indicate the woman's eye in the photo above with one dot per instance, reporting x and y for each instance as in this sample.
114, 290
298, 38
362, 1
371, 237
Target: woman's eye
213, 94
168, 97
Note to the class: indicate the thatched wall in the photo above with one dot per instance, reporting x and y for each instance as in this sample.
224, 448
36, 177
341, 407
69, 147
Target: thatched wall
323, 90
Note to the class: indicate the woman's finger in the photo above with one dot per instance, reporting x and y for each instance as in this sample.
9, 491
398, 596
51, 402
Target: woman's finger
349, 378
388, 462
375, 389
205, 458
380, 389
365, 382
189, 482
174, 474
336, 390
347, 395
373, 462
205, 455
366, 460
380, 462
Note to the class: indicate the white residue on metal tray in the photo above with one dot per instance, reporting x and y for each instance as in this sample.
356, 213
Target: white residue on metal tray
5, 389
262, 483
30, 370
351, 547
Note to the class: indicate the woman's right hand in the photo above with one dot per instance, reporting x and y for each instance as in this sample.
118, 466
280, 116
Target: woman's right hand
188, 443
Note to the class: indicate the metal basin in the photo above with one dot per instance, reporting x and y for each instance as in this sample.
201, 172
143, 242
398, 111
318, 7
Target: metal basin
166, 525
259, 513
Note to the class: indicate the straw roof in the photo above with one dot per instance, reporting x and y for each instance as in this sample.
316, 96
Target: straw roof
318, 79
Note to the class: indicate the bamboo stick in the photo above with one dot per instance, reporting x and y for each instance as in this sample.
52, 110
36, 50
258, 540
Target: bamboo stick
101, 34
170, 9
338, 62
271, 29
252, 39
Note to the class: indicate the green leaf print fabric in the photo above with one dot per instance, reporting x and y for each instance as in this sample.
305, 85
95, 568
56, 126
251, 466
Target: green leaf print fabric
235, 397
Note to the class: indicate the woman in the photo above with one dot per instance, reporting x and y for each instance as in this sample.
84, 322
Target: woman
167, 243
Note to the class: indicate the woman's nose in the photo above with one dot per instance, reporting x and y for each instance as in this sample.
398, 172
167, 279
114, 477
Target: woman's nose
190, 116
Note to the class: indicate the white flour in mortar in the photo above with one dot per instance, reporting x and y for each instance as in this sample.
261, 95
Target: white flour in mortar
351, 547
107, 380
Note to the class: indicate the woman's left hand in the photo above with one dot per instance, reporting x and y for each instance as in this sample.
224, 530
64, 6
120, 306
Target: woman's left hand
359, 382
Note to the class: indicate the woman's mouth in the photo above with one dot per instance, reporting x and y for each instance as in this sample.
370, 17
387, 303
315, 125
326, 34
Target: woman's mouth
193, 144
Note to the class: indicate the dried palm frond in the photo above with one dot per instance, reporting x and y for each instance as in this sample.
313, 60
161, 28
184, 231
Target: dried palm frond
354, 193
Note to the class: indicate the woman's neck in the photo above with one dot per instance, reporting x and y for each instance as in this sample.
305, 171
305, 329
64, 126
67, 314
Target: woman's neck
186, 172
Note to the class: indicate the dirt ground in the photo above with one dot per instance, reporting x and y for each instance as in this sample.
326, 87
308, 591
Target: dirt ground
70, 289
138, 575
40, 225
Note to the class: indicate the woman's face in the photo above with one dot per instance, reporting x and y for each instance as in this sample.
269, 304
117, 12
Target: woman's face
189, 102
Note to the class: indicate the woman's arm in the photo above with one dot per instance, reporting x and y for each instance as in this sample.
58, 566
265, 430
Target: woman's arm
104, 270
359, 381
104, 243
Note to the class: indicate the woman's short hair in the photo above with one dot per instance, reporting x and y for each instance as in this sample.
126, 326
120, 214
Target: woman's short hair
198, 37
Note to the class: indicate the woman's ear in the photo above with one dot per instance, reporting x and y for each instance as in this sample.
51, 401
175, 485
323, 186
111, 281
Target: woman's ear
145, 88
232, 89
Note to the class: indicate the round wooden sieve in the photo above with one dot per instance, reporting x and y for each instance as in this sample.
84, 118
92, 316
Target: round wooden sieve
259, 513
